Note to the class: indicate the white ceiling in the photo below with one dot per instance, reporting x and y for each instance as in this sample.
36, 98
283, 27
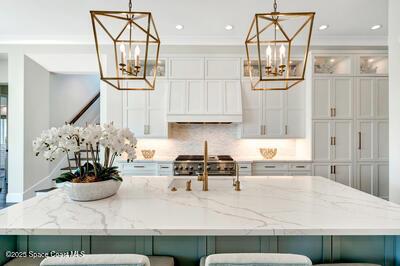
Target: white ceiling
68, 21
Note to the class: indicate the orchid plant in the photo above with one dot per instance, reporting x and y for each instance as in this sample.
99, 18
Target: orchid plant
71, 140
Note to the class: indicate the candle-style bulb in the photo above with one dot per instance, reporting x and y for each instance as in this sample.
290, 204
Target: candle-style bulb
122, 48
283, 50
269, 55
137, 54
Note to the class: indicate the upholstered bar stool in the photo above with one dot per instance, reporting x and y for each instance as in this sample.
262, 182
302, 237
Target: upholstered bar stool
154, 260
259, 259
98, 259
348, 264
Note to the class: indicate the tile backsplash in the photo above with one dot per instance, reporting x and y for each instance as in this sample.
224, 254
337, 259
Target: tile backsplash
222, 139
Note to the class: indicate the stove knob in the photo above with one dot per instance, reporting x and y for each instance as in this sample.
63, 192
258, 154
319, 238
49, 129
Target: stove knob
176, 167
191, 167
186, 168
200, 166
181, 168
208, 167
218, 168
226, 168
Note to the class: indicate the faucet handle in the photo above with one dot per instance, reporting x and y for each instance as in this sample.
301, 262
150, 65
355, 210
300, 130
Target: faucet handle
189, 185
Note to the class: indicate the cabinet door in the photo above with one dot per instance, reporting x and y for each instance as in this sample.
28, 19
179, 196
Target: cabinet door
322, 140
382, 140
366, 177
365, 140
343, 98
382, 174
186, 68
232, 97
214, 96
222, 68
365, 98
382, 98
274, 114
195, 97
323, 170
343, 173
157, 109
343, 142
295, 112
177, 97
321, 97
135, 113
252, 118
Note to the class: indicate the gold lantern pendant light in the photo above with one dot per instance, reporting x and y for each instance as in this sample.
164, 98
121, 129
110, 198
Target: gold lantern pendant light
127, 45
272, 40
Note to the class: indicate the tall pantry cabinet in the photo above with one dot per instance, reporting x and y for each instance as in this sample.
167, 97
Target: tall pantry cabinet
350, 119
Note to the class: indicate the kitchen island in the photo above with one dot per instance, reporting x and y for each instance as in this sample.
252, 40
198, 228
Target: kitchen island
314, 216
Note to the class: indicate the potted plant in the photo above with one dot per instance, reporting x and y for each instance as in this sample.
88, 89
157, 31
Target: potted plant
91, 178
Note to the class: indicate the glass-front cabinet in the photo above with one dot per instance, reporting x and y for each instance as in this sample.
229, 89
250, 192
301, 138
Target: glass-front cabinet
372, 65
295, 69
333, 65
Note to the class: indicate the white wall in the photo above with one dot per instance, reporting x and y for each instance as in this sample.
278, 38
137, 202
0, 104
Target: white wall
69, 94
36, 119
3, 71
394, 107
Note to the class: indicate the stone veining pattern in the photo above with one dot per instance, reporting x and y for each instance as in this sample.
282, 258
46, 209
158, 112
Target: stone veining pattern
265, 206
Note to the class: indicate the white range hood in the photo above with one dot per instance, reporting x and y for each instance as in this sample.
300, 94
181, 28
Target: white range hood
205, 101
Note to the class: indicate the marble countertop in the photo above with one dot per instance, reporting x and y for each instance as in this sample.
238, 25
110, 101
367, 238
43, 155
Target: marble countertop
265, 206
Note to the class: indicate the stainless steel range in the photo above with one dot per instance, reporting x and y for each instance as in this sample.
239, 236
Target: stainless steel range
192, 165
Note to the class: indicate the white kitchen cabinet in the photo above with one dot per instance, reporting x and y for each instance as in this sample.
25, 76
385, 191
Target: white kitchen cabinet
165, 169
195, 97
177, 97
372, 98
215, 94
338, 172
245, 168
273, 114
343, 173
144, 112
222, 68
322, 140
373, 178
186, 68
232, 97
281, 169
324, 170
332, 140
138, 169
372, 140
332, 98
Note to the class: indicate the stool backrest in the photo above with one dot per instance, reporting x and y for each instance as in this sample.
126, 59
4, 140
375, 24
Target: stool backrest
98, 260
257, 259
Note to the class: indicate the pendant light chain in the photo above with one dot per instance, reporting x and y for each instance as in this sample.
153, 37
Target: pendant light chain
275, 6
130, 5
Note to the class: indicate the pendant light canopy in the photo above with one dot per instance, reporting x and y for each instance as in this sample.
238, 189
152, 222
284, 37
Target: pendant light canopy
132, 39
270, 45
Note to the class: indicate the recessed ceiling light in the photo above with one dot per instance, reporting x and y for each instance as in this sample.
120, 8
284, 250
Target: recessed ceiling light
376, 27
229, 27
323, 27
179, 27
332, 60
371, 60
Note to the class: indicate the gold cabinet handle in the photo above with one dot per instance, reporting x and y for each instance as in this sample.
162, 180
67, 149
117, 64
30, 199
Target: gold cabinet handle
331, 112
331, 169
334, 112
265, 130
262, 129
334, 141
359, 140
331, 141
286, 130
334, 169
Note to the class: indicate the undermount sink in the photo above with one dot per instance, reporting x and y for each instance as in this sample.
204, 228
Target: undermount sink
214, 183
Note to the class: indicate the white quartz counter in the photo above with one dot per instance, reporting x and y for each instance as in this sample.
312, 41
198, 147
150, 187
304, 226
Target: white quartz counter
265, 206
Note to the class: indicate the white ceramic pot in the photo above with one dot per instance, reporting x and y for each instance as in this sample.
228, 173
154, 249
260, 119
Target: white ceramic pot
92, 191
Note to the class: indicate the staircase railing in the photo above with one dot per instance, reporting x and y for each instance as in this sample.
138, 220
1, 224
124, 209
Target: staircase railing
84, 109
